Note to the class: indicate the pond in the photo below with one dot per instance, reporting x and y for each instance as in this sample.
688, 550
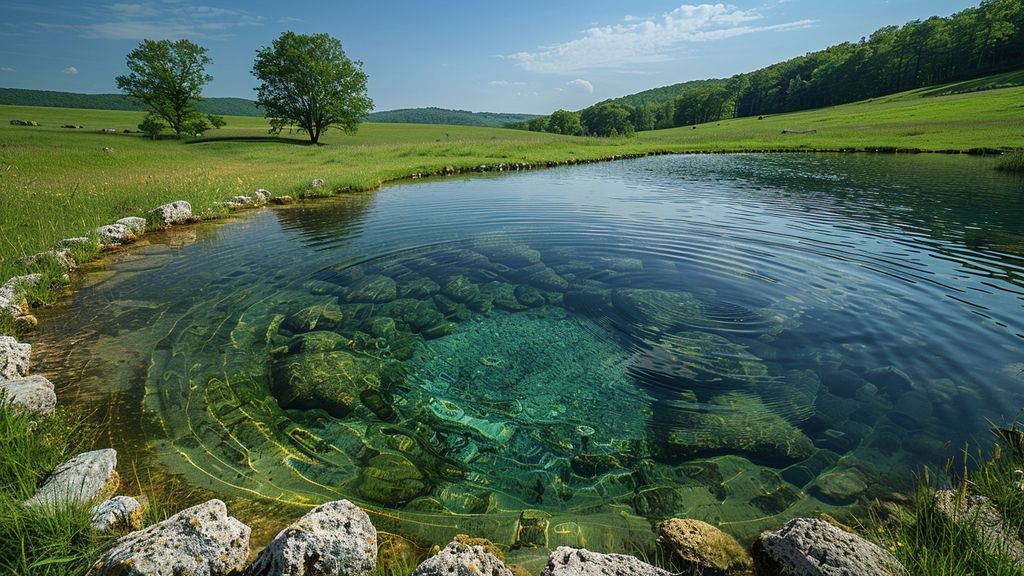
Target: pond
567, 356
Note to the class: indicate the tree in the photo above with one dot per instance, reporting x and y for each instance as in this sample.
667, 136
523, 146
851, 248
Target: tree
308, 82
168, 77
565, 122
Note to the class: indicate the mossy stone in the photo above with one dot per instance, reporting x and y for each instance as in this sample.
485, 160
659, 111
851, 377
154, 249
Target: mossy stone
529, 296
461, 289
696, 547
591, 465
391, 479
373, 289
419, 289
329, 380
317, 341
326, 314
839, 487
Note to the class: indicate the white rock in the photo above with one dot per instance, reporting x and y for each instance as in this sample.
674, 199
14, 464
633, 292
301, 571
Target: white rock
32, 393
118, 513
199, 541
178, 212
243, 200
134, 223
813, 547
12, 294
261, 196
14, 358
114, 234
84, 478
566, 561
333, 538
458, 559
316, 183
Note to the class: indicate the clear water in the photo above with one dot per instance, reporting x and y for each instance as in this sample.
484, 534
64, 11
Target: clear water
566, 356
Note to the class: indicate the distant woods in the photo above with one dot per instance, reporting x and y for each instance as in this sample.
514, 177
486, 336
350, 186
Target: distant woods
977, 41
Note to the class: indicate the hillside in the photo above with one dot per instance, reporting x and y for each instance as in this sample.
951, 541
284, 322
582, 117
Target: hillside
51, 99
665, 94
445, 116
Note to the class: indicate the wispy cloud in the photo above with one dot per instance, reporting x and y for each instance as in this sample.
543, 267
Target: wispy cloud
69, 70
7, 69
156, 20
505, 83
582, 84
640, 40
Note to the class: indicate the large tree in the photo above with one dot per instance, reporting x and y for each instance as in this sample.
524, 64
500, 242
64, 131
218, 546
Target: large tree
308, 82
168, 77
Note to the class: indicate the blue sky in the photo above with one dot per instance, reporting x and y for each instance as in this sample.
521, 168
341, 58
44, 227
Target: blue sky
529, 56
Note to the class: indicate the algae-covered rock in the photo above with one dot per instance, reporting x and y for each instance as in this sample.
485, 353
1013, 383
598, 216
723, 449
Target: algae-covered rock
544, 278
412, 315
588, 300
326, 314
372, 289
697, 547
657, 502
702, 357
329, 380
532, 529
461, 289
419, 288
452, 310
529, 296
659, 310
391, 479
316, 341
509, 253
741, 424
335, 538
842, 486
591, 465
503, 295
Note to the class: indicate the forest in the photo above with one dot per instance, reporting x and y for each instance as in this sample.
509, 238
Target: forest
977, 41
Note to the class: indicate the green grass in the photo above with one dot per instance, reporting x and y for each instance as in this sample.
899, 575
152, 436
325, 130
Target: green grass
1013, 162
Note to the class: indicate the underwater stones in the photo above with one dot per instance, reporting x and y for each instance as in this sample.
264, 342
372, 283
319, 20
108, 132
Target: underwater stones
451, 309
461, 289
532, 529
803, 473
658, 310
329, 380
890, 380
503, 296
529, 296
316, 341
321, 288
544, 278
812, 547
335, 538
776, 496
911, 410
87, 477
391, 479
200, 541
372, 289
697, 547
30, 393
703, 357
591, 465
566, 561
976, 514
588, 300
117, 513
383, 327
459, 559
840, 487
378, 403
419, 289
747, 427
324, 315
510, 254
460, 502
178, 212
14, 357
842, 382
659, 501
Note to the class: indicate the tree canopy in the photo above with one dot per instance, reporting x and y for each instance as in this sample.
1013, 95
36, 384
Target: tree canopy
168, 77
307, 81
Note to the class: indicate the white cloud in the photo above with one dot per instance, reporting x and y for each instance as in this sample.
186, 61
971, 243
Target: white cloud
7, 69
581, 83
157, 20
69, 70
645, 40
506, 83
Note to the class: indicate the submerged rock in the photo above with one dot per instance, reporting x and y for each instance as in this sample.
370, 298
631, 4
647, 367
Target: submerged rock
565, 561
333, 538
85, 478
326, 314
372, 289
511, 254
316, 341
812, 547
32, 393
697, 547
179, 212
117, 513
659, 310
459, 559
14, 358
200, 541
329, 380
461, 289
391, 479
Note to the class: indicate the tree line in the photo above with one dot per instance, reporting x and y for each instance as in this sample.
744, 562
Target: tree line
977, 41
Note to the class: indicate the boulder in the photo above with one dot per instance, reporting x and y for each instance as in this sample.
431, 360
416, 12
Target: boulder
373, 289
32, 393
118, 513
199, 541
135, 224
566, 561
178, 212
335, 538
890, 380
317, 341
459, 559
329, 380
316, 183
12, 295
391, 479
700, 548
323, 315
976, 514
114, 234
461, 289
509, 254
813, 547
14, 358
261, 196
85, 478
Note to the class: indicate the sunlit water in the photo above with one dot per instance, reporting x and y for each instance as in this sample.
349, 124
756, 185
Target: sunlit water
566, 356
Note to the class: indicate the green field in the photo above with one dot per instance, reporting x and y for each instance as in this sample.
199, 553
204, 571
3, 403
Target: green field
58, 182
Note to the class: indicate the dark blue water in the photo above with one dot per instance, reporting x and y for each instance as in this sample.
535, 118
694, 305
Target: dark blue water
566, 356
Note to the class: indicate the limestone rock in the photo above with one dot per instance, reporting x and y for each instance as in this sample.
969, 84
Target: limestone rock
975, 512
200, 541
391, 479
12, 294
261, 196
316, 183
114, 234
566, 561
178, 212
333, 538
813, 547
699, 547
135, 224
31, 393
14, 358
87, 477
458, 559
329, 380
118, 513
